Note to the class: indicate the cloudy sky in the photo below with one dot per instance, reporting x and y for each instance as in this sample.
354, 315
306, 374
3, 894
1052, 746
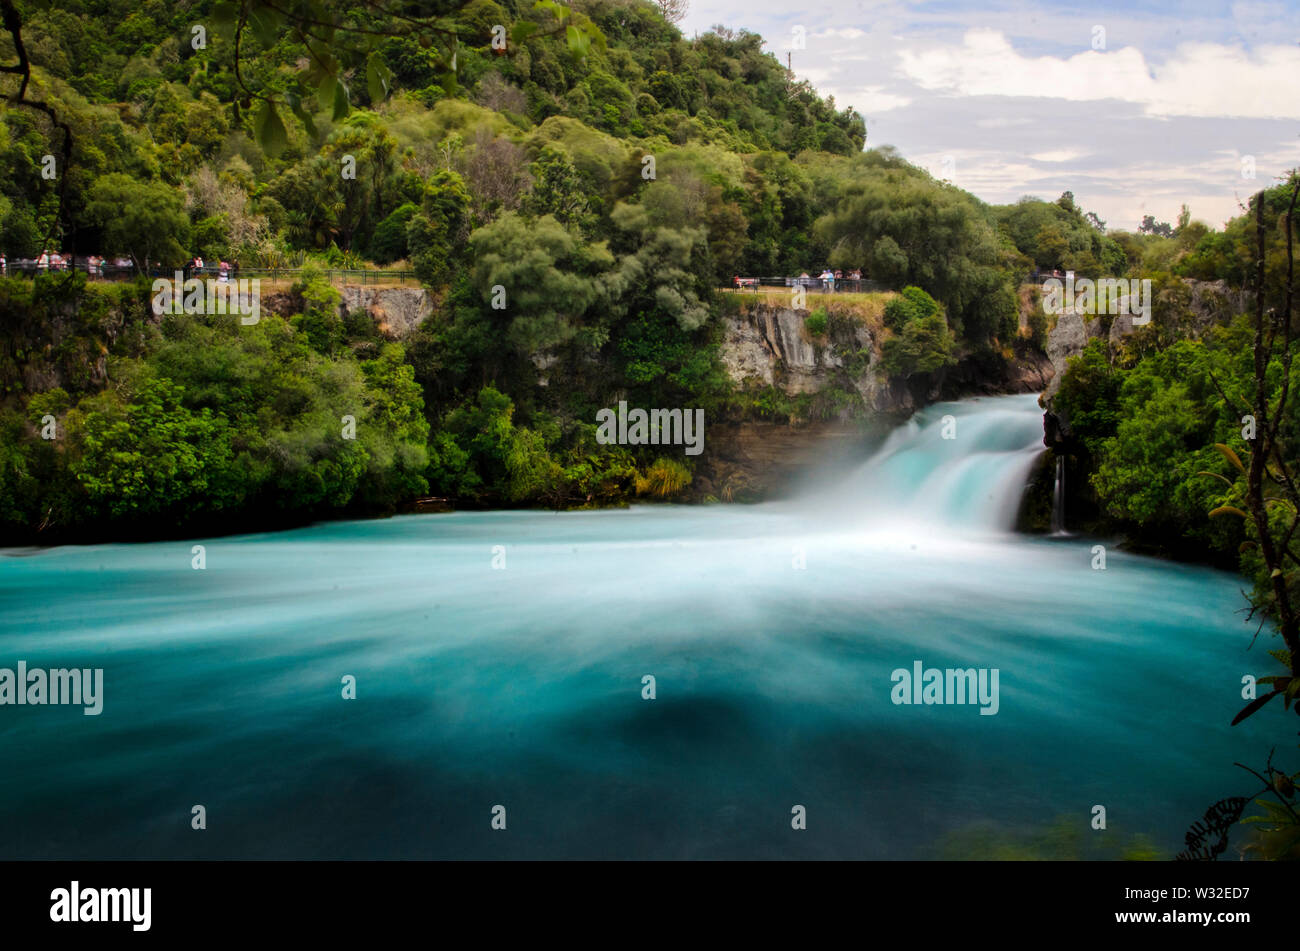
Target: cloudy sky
1134, 106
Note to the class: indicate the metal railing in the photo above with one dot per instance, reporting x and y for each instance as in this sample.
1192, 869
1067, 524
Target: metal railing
114, 272
346, 275
109, 272
1038, 275
813, 284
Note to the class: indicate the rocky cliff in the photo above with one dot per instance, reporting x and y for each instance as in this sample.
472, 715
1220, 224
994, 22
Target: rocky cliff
396, 311
765, 344
1185, 308
770, 345
56, 340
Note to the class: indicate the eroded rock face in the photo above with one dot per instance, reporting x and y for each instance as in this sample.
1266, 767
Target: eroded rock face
396, 311
1067, 339
1189, 308
746, 353
770, 345
986, 374
57, 346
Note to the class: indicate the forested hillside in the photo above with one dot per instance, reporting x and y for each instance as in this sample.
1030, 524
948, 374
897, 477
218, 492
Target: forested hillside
603, 173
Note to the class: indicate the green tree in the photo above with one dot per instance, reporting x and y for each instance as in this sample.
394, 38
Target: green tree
389, 242
924, 347
1088, 398
394, 431
145, 454
558, 190
912, 303
435, 236
548, 278
144, 219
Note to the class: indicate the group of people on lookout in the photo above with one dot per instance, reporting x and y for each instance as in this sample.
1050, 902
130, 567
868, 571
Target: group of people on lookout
96, 265
829, 277
826, 278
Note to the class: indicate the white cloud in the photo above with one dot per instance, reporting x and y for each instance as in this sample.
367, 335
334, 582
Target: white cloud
1058, 155
1002, 122
1198, 79
845, 33
1162, 117
872, 100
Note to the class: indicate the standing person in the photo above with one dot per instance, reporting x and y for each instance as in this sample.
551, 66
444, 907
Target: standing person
43, 262
3, 262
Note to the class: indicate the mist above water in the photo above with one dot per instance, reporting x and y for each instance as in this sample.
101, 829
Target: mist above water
961, 466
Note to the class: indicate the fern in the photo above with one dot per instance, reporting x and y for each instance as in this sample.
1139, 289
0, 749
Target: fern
1207, 839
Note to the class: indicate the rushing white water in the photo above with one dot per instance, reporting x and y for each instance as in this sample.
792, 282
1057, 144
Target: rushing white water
957, 466
1058, 498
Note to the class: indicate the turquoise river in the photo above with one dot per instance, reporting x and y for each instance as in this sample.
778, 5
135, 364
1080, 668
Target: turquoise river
499, 660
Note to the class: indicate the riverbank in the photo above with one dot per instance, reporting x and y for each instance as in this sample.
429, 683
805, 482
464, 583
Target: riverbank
745, 462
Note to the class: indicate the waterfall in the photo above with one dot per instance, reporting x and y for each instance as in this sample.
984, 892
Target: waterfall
1058, 498
962, 466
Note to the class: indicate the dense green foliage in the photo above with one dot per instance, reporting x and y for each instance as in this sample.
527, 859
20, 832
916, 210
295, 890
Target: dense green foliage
1146, 414
912, 303
572, 202
1058, 235
209, 423
1151, 428
923, 346
817, 322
